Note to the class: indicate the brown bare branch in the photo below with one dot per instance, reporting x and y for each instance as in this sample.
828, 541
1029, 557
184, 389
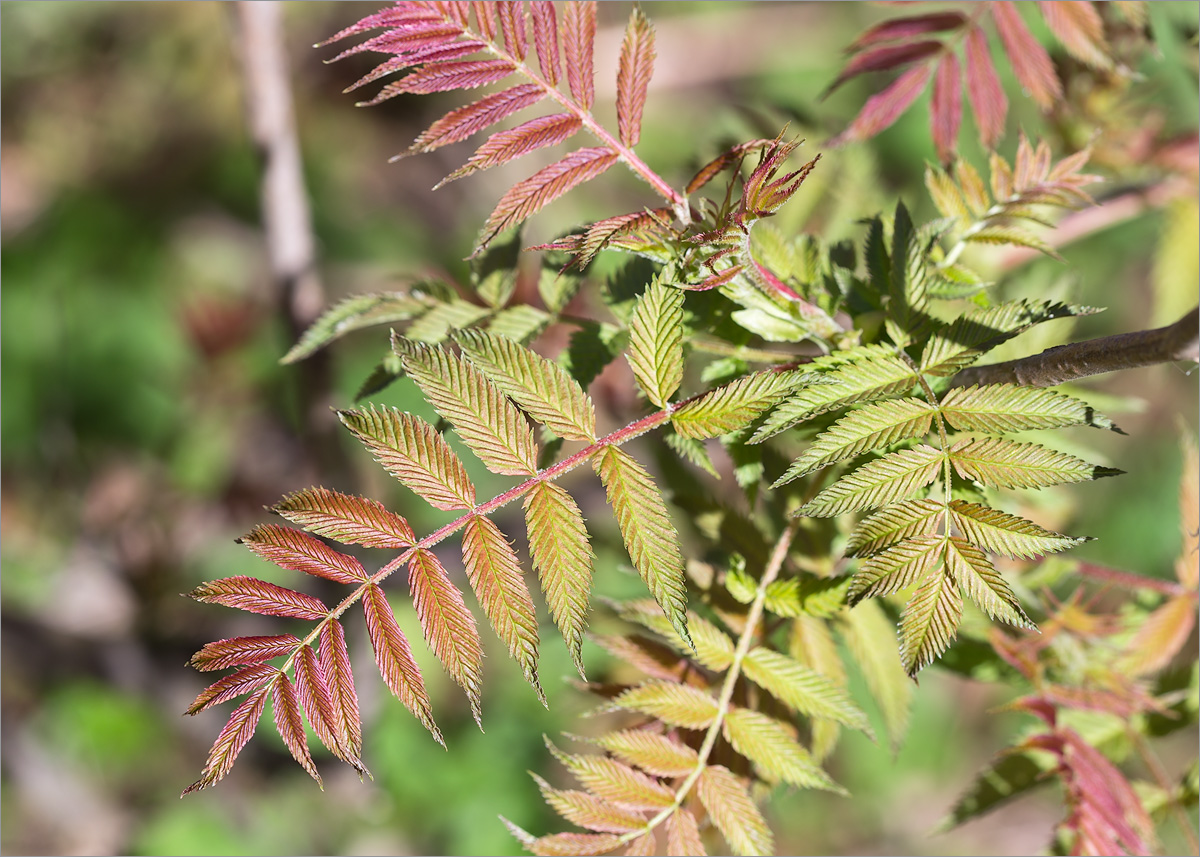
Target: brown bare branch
1176, 342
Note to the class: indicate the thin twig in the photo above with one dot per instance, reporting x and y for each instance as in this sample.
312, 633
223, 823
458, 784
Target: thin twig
1176, 342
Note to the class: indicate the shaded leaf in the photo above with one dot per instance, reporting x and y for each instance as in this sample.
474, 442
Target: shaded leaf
495, 575
411, 450
896, 29
959, 344
297, 551
647, 531
883, 109
570, 844
1161, 636
896, 476
434, 326
656, 342
395, 660
733, 811
520, 323
447, 624
562, 555
871, 639
802, 689
884, 58
355, 313
356, 520
1010, 775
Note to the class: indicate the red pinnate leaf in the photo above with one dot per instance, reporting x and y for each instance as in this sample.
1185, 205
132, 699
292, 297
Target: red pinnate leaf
232, 686
236, 651
723, 162
1029, 59
602, 232
579, 37
588, 811
633, 75
545, 38
297, 551
988, 100
570, 844
237, 732
884, 58
485, 16
412, 37
350, 519
434, 52
512, 24
507, 145
447, 624
610, 780
447, 76
496, 577
462, 123
645, 845
393, 16
683, 834
290, 724
395, 660
312, 691
334, 659
546, 185
906, 28
257, 596
1081, 30
883, 109
945, 111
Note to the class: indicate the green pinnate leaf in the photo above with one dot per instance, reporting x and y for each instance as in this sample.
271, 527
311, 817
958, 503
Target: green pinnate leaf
613, 781
1007, 408
710, 646
896, 568
1002, 533
772, 748
358, 312
674, 704
893, 524
896, 476
494, 272
1009, 776
978, 578
481, 414
543, 389
692, 450
447, 624
735, 405
1006, 464
734, 812
853, 376
647, 531
869, 427
411, 450
349, 519
802, 689
929, 622
520, 323
656, 754
871, 638
435, 325
656, 342
562, 555
495, 575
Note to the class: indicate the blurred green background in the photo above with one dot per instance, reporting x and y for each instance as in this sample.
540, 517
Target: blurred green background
146, 421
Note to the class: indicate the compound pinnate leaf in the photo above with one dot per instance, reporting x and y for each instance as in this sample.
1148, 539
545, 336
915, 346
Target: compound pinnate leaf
735, 405
588, 811
869, 427
290, 723
655, 754
394, 658
411, 450
871, 639
883, 109
257, 596
929, 622
297, 551
634, 69
895, 476
896, 568
316, 699
978, 578
495, 575
1002, 533
733, 811
356, 313
545, 38
656, 342
710, 646
674, 704
562, 555
231, 739
238, 651
447, 624
465, 121
334, 658
683, 835
1008, 464
611, 780
349, 519
1007, 407
802, 689
232, 686
483, 417
542, 388
508, 145
578, 39
893, 524
774, 751
647, 531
